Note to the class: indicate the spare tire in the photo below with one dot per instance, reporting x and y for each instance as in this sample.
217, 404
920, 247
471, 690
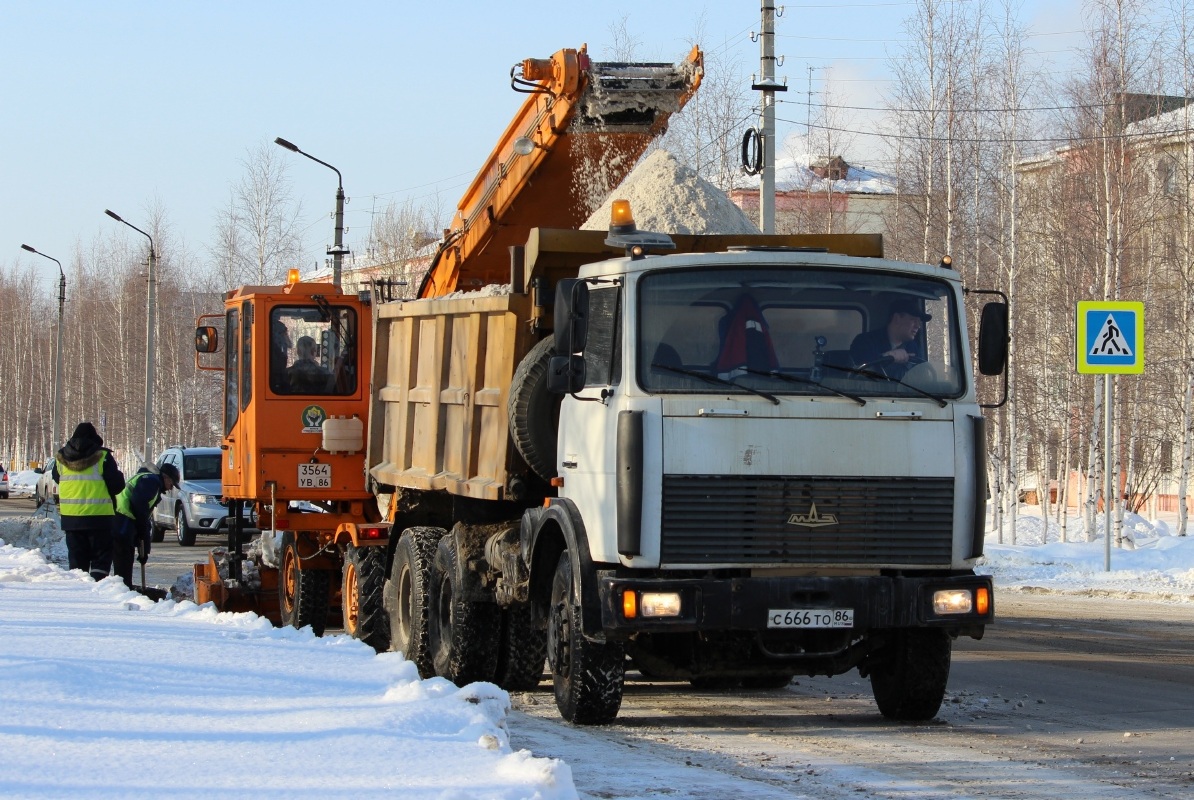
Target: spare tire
534, 412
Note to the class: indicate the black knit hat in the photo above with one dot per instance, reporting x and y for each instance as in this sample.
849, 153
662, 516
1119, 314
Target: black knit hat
171, 472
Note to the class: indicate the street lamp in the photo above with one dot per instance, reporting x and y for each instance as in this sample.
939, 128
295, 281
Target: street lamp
337, 250
56, 429
151, 313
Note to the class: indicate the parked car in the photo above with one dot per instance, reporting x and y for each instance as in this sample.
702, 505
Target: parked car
195, 506
23, 483
47, 487
3, 482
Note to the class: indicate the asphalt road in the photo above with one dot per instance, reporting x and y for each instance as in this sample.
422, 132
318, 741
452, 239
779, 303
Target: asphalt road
1065, 697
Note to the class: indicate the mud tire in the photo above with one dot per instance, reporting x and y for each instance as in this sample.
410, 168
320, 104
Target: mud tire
463, 635
588, 677
362, 590
408, 596
909, 678
534, 412
302, 593
522, 650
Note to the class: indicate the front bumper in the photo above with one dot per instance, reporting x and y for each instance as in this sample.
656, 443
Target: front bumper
212, 517
743, 604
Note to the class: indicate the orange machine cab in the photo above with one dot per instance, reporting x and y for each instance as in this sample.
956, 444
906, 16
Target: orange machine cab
294, 357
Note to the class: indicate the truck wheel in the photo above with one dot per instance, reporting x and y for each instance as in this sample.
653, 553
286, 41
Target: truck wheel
409, 595
534, 412
365, 615
909, 680
587, 676
186, 534
463, 634
522, 650
302, 593
157, 532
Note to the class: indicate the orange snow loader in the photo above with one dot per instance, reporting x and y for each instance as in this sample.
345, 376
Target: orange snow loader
296, 399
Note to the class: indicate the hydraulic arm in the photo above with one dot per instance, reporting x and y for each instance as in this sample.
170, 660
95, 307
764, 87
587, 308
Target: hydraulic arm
580, 131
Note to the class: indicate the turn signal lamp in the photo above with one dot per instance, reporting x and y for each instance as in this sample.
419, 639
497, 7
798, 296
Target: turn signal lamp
629, 604
292, 277
982, 601
953, 601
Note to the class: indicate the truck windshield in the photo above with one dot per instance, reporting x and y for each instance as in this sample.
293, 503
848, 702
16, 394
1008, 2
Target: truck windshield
312, 350
812, 331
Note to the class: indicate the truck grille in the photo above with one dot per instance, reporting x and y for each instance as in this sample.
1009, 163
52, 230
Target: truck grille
724, 519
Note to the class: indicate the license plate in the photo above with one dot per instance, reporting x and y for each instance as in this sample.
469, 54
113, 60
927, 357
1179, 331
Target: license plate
810, 618
315, 476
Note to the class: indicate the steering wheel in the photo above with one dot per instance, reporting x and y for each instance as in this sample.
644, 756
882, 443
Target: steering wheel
873, 366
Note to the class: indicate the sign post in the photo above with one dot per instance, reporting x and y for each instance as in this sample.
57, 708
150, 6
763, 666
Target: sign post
1110, 342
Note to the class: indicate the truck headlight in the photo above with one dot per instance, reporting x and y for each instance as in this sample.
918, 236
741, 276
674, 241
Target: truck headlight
650, 604
660, 604
960, 601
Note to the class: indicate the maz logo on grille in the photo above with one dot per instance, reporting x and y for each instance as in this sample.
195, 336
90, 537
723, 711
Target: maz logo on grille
812, 519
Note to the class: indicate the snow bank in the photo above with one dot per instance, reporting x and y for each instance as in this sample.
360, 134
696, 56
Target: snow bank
109, 694
35, 533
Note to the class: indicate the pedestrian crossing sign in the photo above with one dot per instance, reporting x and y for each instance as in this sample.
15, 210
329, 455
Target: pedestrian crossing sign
1110, 337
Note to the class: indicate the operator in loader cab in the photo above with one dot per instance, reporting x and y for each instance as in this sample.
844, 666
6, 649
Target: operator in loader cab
141, 493
306, 375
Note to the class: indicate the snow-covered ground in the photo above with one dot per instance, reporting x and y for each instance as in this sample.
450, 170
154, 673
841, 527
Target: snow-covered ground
110, 695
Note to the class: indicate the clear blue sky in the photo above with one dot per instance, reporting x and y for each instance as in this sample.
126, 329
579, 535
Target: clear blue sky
121, 103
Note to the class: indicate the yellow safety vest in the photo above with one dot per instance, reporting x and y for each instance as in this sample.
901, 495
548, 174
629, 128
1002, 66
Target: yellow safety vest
124, 499
83, 493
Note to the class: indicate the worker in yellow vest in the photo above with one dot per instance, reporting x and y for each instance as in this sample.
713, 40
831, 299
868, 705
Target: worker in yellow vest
141, 493
88, 481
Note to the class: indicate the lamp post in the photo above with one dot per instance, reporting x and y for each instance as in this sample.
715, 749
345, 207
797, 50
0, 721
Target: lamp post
56, 429
337, 250
151, 313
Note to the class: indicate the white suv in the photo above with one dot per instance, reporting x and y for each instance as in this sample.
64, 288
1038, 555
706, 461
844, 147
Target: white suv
195, 506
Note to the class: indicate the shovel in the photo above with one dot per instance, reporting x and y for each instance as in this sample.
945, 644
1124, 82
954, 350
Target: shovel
141, 560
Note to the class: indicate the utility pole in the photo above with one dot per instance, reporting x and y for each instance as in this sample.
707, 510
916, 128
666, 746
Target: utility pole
768, 85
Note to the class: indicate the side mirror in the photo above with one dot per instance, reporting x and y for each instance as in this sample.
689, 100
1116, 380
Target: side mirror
993, 339
566, 374
571, 316
207, 339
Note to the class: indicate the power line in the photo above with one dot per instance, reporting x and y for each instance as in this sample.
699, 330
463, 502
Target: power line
984, 140
898, 110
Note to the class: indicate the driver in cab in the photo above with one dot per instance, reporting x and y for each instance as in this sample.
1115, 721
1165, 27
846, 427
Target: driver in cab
892, 349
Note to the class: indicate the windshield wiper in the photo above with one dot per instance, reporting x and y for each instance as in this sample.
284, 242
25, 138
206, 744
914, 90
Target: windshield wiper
805, 381
692, 373
872, 374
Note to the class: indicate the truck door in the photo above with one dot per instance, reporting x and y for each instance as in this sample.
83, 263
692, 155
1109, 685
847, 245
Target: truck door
588, 427
237, 383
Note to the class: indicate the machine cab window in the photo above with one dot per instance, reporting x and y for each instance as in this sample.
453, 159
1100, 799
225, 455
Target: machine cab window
313, 350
